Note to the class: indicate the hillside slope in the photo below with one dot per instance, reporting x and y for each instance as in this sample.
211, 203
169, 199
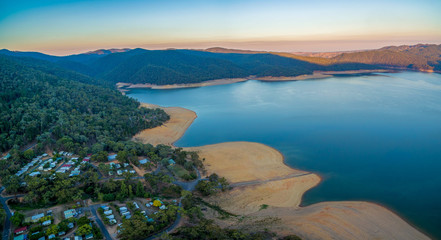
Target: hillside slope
55, 107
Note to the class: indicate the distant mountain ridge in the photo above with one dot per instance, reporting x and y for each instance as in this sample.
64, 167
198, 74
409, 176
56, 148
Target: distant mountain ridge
178, 66
108, 51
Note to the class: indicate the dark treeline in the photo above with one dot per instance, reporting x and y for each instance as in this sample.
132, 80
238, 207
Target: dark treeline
48, 105
189, 66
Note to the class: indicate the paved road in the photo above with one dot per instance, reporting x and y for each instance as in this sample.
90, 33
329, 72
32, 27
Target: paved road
189, 186
7, 225
171, 227
92, 209
29, 146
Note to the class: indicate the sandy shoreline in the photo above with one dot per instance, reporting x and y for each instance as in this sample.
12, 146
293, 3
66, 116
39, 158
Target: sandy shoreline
261, 178
171, 131
124, 87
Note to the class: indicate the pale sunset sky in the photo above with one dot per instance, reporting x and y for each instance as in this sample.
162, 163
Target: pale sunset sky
63, 27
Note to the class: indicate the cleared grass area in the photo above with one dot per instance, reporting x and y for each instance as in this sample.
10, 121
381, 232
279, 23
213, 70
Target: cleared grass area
178, 171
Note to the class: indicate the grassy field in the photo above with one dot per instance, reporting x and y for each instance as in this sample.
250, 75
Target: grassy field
178, 170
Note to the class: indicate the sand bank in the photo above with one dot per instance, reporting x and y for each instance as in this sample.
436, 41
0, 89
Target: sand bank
124, 87
332, 220
243, 161
171, 131
261, 178
327, 220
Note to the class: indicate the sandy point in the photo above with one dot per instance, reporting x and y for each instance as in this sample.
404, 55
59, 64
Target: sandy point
244, 161
169, 132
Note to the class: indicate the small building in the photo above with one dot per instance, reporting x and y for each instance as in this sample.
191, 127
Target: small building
33, 174
132, 171
108, 212
117, 165
20, 230
61, 233
46, 223
78, 238
126, 213
74, 173
123, 209
37, 217
89, 236
110, 217
105, 207
21, 237
144, 161
171, 162
125, 164
70, 225
51, 236
70, 213
119, 172
111, 157
7, 156
112, 221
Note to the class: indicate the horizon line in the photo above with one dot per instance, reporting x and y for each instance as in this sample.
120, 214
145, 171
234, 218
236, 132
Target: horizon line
151, 48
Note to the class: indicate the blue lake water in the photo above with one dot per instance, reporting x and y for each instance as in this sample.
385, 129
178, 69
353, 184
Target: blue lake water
372, 137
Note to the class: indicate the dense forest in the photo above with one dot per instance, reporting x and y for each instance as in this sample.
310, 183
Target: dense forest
189, 66
46, 104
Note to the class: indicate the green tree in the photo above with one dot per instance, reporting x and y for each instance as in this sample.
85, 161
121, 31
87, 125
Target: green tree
17, 219
124, 190
140, 192
53, 229
84, 230
29, 154
122, 157
12, 184
2, 216
135, 228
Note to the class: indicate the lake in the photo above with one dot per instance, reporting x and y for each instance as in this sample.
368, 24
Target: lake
373, 137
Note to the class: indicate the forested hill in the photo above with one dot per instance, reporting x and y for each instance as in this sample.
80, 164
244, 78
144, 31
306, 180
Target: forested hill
40, 102
425, 57
417, 57
183, 66
189, 66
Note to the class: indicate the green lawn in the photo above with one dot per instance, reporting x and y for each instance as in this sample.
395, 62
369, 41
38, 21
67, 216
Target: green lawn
178, 170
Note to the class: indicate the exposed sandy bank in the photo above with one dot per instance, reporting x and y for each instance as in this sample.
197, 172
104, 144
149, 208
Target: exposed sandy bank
279, 193
243, 161
342, 220
123, 87
171, 131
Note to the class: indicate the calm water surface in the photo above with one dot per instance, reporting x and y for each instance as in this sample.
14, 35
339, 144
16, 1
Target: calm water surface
374, 137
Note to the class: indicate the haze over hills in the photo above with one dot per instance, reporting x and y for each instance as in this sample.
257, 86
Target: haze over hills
174, 66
